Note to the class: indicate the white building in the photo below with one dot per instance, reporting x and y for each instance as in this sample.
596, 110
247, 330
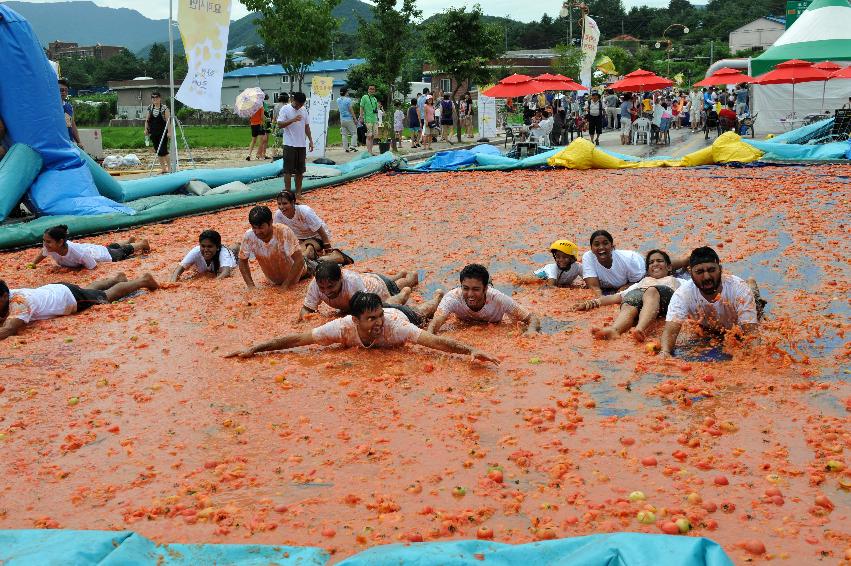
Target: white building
759, 34
272, 80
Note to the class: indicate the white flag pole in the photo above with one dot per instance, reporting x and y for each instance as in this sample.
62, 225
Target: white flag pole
175, 162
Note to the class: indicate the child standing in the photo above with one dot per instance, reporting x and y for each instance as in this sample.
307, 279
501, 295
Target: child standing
398, 124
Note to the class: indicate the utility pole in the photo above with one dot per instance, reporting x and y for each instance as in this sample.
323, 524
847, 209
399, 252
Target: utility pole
711, 52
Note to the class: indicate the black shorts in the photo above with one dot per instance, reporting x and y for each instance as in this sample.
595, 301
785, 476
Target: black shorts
119, 252
412, 315
635, 298
86, 297
392, 288
295, 160
595, 124
258, 130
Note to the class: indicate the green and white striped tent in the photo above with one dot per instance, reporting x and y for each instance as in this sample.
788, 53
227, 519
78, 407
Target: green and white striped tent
821, 33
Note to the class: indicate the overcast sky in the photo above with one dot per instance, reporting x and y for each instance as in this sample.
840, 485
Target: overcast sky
518, 10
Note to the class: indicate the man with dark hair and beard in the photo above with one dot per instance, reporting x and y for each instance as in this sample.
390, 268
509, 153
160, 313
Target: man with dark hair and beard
715, 300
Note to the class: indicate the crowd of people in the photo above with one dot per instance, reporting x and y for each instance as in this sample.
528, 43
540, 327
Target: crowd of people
294, 244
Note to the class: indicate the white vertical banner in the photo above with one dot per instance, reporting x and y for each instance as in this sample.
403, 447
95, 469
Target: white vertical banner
487, 116
320, 108
590, 38
204, 27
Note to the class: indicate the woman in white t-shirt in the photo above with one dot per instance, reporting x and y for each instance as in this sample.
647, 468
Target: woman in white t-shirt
69, 254
311, 231
641, 303
607, 270
209, 256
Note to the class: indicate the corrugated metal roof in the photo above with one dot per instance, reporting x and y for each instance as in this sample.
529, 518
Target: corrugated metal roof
317, 67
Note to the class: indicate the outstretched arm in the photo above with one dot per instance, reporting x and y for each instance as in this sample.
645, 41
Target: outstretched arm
443, 344
280, 343
11, 327
593, 283
296, 269
437, 322
178, 271
245, 271
38, 259
326, 239
669, 337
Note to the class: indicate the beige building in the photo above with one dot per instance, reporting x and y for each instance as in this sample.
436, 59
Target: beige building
759, 34
57, 50
134, 96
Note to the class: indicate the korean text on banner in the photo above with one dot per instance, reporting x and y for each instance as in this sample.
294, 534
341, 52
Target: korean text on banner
320, 106
204, 26
487, 115
590, 38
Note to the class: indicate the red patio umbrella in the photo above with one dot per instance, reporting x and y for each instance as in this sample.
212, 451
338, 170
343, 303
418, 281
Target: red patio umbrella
641, 81
828, 66
842, 73
793, 72
725, 76
515, 85
558, 82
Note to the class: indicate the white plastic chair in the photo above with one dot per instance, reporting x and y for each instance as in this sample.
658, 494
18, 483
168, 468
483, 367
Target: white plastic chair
641, 128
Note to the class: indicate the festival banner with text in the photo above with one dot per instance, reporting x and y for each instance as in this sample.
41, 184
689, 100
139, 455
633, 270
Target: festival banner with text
320, 109
204, 26
590, 38
487, 115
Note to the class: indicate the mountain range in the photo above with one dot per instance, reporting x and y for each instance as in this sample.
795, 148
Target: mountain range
94, 24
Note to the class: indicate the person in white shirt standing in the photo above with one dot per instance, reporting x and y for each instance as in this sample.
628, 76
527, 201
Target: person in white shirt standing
57, 247
295, 123
369, 325
717, 301
19, 307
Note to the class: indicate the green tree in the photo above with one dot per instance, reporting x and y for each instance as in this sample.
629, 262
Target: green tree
259, 54
298, 31
385, 42
567, 61
609, 15
157, 64
462, 45
122, 67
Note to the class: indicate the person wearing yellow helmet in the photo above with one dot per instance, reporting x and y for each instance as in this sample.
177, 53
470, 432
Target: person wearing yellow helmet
566, 269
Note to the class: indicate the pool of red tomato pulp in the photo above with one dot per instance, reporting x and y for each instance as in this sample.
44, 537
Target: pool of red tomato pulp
128, 417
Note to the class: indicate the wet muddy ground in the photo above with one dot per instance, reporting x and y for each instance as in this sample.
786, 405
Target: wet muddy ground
128, 417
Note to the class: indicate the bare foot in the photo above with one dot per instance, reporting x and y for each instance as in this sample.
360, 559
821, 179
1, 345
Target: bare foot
131, 239
149, 282
638, 335
120, 277
438, 294
404, 295
144, 246
603, 333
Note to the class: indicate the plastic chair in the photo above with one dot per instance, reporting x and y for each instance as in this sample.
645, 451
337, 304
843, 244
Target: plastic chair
641, 129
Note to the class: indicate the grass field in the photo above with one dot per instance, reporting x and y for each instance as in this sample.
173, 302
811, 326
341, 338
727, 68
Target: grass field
196, 136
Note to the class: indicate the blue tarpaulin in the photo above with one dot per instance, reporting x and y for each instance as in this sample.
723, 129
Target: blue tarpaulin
124, 548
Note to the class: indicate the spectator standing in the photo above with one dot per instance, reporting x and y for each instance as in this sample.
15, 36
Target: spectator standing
156, 128
295, 123
428, 122
398, 124
612, 110
626, 112
414, 123
369, 116
259, 133
446, 121
69, 112
347, 121
742, 100
466, 108
595, 112
421, 100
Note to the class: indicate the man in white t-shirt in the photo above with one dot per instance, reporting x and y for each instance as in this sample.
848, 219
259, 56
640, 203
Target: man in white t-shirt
19, 307
368, 326
275, 248
295, 124
716, 301
476, 301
